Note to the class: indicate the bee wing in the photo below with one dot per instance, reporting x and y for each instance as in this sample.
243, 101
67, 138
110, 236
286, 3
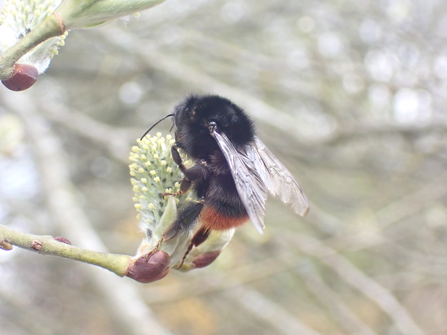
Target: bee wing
250, 186
278, 180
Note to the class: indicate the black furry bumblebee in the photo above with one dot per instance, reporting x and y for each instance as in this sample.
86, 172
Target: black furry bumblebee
233, 170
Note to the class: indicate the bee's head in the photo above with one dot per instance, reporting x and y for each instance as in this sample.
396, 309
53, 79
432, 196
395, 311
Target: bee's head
195, 114
184, 113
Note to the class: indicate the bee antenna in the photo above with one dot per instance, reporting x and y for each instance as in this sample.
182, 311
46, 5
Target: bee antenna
163, 118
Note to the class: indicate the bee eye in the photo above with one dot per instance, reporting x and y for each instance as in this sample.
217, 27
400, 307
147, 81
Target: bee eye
212, 126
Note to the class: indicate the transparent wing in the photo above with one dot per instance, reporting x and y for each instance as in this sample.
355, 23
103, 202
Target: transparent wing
278, 180
249, 184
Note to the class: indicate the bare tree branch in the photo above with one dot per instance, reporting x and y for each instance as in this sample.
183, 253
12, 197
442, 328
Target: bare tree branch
115, 140
269, 311
392, 213
385, 299
47, 245
334, 303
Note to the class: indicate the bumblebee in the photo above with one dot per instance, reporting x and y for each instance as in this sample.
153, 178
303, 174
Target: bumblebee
232, 172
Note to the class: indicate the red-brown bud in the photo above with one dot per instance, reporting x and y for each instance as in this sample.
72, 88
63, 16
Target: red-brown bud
150, 267
205, 259
23, 77
62, 240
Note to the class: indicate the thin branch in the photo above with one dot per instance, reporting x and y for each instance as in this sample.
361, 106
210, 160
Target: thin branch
269, 311
370, 288
98, 132
333, 302
153, 57
392, 213
50, 27
47, 245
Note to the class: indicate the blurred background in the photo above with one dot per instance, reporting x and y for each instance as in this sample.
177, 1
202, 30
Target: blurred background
349, 94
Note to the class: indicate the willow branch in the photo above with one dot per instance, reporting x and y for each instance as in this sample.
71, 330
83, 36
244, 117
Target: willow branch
403, 321
269, 311
153, 57
334, 303
391, 214
47, 245
93, 130
50, 27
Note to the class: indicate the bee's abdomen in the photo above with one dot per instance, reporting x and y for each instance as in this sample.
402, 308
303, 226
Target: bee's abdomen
223, 207
215, 219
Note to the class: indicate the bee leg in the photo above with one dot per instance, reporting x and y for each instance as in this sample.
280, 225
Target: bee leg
195, 173
177, 159
154, 249
184, 221
185, 184
199, 237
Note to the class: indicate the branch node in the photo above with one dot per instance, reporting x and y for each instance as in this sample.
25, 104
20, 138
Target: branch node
36, 245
